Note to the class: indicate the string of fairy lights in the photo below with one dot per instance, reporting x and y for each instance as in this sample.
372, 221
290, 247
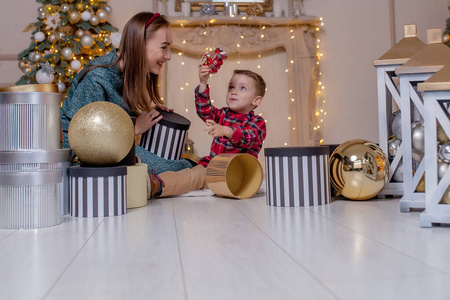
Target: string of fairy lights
320, 101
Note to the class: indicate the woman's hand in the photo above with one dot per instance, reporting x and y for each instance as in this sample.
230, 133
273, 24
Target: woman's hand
163, 107
216, 130
146, 120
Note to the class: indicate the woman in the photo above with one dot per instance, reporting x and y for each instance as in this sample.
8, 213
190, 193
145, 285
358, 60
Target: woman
128, 77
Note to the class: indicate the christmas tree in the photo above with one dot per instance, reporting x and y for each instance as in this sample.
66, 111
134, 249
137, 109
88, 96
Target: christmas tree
446, 33
67, 35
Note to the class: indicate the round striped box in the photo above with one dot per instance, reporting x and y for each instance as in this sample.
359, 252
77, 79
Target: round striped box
30, 120
33, 188
98, 192
297, 176
166, 138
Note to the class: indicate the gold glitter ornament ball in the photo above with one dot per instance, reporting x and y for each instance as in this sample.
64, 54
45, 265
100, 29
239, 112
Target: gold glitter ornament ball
359, 169
101, 133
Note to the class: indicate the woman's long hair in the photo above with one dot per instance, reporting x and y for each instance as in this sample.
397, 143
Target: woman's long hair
140, 88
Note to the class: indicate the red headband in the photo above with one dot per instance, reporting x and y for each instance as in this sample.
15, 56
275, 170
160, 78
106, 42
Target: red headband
151, 19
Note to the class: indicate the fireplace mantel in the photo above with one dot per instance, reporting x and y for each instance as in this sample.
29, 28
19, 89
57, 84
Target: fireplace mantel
295, 35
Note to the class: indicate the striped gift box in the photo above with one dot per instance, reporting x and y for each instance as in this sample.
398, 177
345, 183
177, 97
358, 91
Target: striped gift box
166, 138
297, 176
98, 192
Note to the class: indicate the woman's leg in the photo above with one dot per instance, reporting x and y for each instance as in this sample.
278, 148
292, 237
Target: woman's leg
159, 164
177, 183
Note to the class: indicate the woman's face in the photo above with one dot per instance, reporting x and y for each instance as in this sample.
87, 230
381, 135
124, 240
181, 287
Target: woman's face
158, 49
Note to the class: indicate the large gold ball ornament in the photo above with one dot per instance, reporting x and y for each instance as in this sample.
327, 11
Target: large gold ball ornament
74, 17
87, 41
22, 64
94, 20
101, 133
359, 169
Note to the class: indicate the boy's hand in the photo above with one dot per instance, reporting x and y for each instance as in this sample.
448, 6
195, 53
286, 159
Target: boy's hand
217, 130
203, 75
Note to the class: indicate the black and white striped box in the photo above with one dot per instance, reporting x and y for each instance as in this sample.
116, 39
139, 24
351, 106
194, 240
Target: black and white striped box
98, 192
166, 138
297, 176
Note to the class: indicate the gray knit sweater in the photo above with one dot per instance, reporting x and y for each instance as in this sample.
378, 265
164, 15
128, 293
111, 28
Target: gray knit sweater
106, 84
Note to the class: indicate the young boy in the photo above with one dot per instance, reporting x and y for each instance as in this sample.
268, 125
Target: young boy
235, 128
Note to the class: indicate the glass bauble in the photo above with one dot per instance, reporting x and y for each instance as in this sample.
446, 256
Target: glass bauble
87, 41
67, 53
74, 17
80, 33
94, 20
359, 169
102, 15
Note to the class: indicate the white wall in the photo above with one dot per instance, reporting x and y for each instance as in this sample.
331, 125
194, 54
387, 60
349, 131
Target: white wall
355, 32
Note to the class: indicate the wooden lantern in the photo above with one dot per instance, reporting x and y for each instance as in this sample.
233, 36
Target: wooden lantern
389, 98
436, 97
417, 69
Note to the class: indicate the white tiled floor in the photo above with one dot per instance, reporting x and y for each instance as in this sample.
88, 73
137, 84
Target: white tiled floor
215, 248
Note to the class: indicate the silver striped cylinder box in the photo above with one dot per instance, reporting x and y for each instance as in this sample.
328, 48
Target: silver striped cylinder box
166, 138
29, 120
297, 176
98, 192
33, 188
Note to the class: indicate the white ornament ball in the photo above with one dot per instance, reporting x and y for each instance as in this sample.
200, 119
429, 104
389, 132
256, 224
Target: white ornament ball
80, 33
44, 77
65, 7
39, 36
102, 15
22, 64
36, 57
442, 168
61, 86
75, 64
115, 39
94, 20
87, 41
85, 15
108, 9
52, 38
31, 55
67, 53
26, 70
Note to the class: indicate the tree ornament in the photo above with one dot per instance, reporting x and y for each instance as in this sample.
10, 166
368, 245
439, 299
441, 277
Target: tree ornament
108, 9
69, 71
79, 6
60, 35
80, 33
52, 38
22, 64
39, 36
87, 41
42, 15
65, 7
36, 57
67, 53
75, 64
74, 17
102, 15
71, 1
45, 74
85, 15
26, 70
441, 135
61, 86
115, 39
107, 40
94, 20
40, 9
398, 173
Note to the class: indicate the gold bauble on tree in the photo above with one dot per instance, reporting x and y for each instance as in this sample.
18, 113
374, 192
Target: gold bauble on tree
74, 17
79, 6
101, 133
359, 169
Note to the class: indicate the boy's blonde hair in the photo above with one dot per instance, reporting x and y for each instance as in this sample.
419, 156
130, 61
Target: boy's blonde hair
259, 81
